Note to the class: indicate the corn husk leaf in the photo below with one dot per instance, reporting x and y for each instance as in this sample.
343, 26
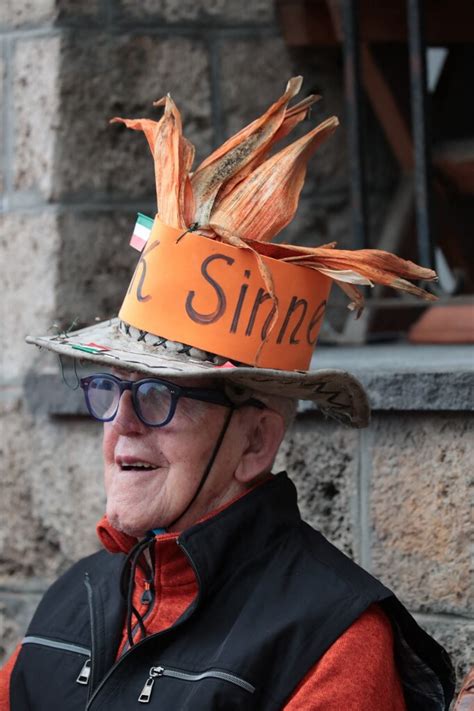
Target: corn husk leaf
237, 152
173, 160
365, 267
293, 116
173, 156
356, 299
376, 265
284, 251
148, 126
236, 241
265, 202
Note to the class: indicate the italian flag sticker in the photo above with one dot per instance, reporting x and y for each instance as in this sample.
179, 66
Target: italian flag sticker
141, 231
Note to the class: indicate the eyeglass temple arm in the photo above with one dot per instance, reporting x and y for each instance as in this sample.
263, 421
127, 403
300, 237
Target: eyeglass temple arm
207, 395
219, 398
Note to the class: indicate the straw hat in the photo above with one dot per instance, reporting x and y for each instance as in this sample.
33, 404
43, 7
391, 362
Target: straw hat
211, 294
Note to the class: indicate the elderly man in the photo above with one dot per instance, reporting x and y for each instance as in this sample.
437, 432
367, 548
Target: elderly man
229, 597
211, 592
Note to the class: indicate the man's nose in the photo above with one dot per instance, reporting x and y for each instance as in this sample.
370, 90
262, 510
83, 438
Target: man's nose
126, 421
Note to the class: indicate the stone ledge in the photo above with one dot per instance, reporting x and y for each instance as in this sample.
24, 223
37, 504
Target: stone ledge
46, 393
407, 377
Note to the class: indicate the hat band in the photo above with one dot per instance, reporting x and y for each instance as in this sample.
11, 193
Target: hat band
208, 294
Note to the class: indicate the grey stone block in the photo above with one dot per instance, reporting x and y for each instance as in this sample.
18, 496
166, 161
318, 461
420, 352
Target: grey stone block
54, 394
322, 459
420, 503
80, 11
95, 265
36, 115
16, 610
52, 493
103, 76
421, 391
253, 74
28, 248
2, 124
14, 13
25, 13
204, 11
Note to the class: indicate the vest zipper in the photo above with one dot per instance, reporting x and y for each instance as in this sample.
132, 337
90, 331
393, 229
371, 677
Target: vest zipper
185, 617
145, 694
84, 674
65, 646
88, 585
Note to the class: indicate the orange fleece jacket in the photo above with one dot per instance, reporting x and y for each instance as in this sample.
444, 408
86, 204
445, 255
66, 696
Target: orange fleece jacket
357, 672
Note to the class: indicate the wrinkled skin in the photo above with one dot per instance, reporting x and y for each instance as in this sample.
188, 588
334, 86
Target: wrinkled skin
139, 500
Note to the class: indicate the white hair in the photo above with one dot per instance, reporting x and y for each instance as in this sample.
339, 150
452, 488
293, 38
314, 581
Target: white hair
285, 406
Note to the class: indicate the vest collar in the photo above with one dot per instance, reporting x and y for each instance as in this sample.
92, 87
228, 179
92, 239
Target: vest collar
218, 546
115, 541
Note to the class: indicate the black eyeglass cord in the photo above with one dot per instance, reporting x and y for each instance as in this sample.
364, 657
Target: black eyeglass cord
132, 560
208, 468
127, 583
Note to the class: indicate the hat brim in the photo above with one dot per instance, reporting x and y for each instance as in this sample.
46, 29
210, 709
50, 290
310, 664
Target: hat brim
336, 393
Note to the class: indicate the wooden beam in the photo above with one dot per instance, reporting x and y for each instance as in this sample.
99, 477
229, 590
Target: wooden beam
384, 103
308, 23
456, 161
304, 23
387, 110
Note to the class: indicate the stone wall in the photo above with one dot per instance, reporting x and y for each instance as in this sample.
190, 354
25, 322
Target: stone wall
71, 185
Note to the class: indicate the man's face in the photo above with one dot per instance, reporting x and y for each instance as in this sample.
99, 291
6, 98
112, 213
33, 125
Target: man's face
151, 474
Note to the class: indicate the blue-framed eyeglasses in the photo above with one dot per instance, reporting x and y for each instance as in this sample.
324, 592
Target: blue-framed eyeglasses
154, 400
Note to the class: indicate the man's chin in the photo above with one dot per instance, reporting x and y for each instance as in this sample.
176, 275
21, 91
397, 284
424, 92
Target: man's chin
128, 525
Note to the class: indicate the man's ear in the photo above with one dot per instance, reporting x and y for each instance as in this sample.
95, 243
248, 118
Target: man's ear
265, 431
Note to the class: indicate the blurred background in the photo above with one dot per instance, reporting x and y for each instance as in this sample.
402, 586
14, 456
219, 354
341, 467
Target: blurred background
398, 175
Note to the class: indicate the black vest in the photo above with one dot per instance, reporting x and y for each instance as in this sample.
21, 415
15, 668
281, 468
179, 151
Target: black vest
273, 596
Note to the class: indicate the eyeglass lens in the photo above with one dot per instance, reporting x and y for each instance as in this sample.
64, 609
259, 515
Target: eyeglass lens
103, 395
152, 400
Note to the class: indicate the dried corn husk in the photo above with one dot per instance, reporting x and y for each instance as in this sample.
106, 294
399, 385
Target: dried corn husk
293, 116
238, 152
173, 155
242, 196
148, 127
352, 268
265, 202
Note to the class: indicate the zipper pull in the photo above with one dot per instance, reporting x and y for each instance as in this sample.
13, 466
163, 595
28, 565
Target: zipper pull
85, 673
147, 595
145, 695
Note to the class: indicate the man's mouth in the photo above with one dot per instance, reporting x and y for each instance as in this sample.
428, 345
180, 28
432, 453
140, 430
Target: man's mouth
127, 464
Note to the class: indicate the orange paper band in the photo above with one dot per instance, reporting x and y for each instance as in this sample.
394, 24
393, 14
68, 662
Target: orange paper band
210, 295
